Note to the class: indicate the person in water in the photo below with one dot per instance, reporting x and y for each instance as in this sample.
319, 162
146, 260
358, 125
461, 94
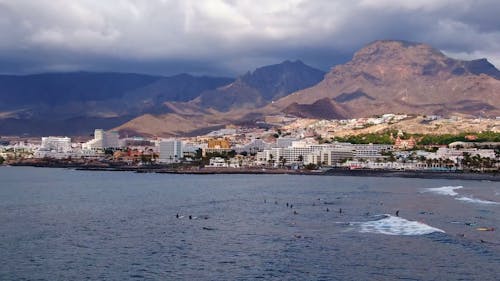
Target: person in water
177, 215
397, 213
190, 217
340, 210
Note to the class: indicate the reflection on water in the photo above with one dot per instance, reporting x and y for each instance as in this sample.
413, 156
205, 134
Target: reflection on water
61, 224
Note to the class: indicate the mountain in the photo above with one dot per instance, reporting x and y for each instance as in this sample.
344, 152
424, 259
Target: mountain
383, 77
397, 76
258, 88
76, 103
234, 102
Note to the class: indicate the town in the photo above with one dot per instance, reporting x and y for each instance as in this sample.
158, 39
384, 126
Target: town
281, 143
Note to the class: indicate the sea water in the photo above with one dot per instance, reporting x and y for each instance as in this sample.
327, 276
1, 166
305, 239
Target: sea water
59, 224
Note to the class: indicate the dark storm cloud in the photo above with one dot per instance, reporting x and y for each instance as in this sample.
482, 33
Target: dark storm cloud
229, 37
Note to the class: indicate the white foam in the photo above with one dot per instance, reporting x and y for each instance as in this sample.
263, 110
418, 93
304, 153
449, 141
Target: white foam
445, 190
478, 201
391, 225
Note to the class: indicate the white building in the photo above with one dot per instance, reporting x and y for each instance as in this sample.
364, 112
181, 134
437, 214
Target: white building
457, 154
103, 139
170, 151
285, 142
54, 147
325, 154
218, 162
56, 144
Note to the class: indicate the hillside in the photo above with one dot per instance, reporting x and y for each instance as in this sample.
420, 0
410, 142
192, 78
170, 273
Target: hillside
76, 103
396, 76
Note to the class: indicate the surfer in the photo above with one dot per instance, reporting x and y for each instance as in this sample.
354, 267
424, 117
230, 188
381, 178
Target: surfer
340, 210
287, 204
190, 217
177, 215
295, 213
328, 210
397, 213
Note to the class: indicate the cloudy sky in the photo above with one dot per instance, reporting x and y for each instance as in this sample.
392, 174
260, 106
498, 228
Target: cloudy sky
229, 37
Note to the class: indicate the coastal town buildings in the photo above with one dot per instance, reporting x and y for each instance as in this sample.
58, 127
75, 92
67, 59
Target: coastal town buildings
293, 146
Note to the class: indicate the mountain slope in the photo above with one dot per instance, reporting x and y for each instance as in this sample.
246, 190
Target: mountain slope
50, 103
396, 76
261, 86
231, 103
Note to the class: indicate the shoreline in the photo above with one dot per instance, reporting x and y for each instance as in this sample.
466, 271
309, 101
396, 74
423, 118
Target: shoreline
451, 175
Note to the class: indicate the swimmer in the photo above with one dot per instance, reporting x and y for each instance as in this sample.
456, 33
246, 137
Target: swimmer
295, 213
328, 210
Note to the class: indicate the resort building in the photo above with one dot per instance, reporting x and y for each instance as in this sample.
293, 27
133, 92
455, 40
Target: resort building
54, 147
171, 151
102, 140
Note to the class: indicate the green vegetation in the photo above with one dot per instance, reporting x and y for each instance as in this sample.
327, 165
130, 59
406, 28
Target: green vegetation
311, 166
478, 163
222, 154
378, 138
422, 139
449, 138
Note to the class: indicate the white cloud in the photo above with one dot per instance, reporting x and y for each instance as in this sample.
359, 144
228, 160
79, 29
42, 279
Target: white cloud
239, 30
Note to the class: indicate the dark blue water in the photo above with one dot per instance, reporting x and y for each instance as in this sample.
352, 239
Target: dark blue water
58, 224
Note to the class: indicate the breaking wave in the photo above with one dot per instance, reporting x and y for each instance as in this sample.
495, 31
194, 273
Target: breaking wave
450, 191
478, 201
391, 225
445, 190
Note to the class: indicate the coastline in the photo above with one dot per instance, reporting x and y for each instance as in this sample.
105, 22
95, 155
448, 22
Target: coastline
457, 175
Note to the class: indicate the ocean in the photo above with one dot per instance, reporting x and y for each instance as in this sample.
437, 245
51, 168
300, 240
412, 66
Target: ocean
63, 224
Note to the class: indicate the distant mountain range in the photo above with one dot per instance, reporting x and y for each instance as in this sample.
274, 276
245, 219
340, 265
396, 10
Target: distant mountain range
76, 103
383, 77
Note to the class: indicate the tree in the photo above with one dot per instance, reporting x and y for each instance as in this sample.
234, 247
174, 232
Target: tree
300, 158
311, 166
282, 161
271, 159
146, 159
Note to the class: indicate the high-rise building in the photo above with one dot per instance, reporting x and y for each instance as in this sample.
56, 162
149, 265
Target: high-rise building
170, 151
102, 140
54, 147
56, 144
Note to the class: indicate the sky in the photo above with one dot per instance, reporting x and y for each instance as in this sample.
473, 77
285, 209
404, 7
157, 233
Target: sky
231, 37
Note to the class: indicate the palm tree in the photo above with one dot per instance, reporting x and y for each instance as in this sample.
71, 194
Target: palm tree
300, 158
282, 161
271, 159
